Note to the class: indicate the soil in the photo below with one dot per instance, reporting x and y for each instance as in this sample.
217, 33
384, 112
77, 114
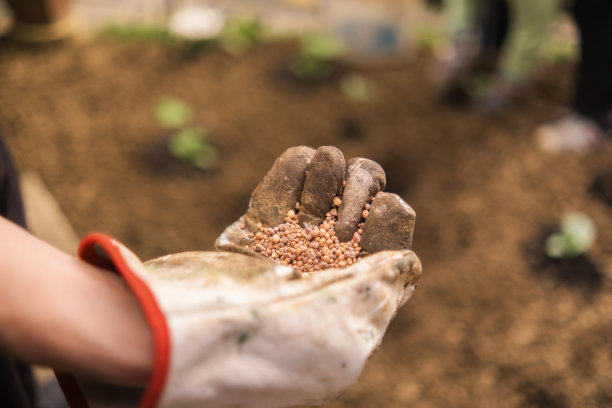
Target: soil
493, 322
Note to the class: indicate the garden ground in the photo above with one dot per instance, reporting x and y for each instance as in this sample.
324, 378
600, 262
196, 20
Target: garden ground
493, 322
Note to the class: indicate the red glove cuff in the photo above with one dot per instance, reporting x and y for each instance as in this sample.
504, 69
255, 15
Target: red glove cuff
102, 251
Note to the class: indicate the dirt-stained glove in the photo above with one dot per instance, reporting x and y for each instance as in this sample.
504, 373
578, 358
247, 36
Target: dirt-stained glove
234, 329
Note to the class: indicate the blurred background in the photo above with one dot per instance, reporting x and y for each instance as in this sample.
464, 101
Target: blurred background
152, 121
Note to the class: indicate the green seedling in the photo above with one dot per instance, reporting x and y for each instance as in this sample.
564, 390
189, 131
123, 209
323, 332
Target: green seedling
191, 146
187, 142
173, 113
317, 53
576, 236
356, 88
241, 35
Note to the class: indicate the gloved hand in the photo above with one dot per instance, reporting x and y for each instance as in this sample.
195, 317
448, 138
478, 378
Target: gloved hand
234, 329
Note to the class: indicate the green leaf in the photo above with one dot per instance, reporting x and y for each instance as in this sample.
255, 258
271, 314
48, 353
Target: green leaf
576, 237
580, 231
321, 47
316, 57
311, 68
173, 113
207, 158
555, 245
240, 35
190, 145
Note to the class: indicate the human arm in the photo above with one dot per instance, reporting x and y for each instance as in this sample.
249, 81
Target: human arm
233, 328
58, 311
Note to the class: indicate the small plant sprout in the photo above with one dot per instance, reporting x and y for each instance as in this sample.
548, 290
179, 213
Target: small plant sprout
187, 142
356, 88
317, 53
190, 145
576, 236
173, 113
240, 35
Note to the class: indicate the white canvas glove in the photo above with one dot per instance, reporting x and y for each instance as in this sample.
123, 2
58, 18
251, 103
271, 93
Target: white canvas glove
233, 329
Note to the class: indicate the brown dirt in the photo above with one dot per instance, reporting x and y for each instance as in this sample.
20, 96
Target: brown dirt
492, 323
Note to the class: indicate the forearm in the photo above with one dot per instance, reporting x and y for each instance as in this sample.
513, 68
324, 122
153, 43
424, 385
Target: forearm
58, 311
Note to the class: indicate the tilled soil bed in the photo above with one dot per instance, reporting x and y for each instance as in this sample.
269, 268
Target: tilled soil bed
493, 323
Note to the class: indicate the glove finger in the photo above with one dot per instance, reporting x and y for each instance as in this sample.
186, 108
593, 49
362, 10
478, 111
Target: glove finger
236, 238
323, 182
401, 270
364, 178
280, 189
389, 226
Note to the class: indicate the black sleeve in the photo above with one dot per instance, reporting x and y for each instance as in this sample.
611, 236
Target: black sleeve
16, 380
11, 205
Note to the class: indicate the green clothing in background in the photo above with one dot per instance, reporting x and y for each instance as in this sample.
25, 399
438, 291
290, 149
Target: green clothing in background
529, 21
529, 24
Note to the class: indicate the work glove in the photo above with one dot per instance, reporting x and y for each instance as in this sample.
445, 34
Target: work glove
233, 328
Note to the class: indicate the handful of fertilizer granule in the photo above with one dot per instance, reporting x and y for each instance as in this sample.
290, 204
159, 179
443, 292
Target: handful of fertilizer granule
309, 249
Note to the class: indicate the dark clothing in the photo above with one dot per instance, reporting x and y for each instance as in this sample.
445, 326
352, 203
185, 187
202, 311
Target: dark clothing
16, 384
11, 206
495, 22
593, 97
16, 380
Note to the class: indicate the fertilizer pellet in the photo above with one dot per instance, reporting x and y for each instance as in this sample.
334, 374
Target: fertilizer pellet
308, 250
